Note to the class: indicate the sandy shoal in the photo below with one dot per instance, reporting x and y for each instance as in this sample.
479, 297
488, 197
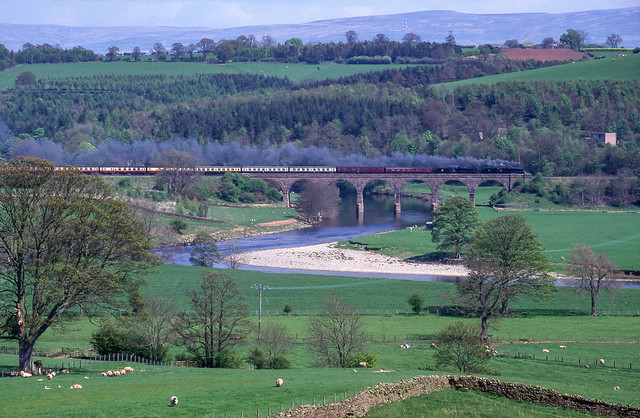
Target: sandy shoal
325, 257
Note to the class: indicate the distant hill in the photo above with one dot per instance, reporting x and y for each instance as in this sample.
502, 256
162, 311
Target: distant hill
468, 29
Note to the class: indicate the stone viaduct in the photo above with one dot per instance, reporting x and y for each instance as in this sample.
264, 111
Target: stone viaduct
397, 180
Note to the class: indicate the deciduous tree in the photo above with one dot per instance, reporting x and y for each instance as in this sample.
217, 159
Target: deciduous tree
505, 262
455, 223
316, 201
336, 332
460, 345
594, 272
219, 320
65, 242
416, 301
204, 252
613, 40
177, 170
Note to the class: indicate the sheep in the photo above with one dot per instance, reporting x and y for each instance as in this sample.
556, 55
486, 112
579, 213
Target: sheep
75, 386
65, 371
616, 388
433, 345
104, 374
563, 346
25, 374
586, 366
279, 382
109, 373
50, 376
544, 350
173, 401
123, 372
128, 369
116, 373
601, 361
362, 364
47, 388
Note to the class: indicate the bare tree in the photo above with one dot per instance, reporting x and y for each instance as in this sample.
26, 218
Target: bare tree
351, 36
613, 40
155, 325
205, 250
220, 319
460, 345
177, 170
317, 201
234, 256
136, 53
336, 333
594, 272
276, 342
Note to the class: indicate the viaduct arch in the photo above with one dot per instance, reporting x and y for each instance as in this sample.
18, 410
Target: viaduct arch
397, 180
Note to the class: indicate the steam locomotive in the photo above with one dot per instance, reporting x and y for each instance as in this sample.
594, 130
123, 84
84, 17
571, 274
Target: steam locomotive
212, 170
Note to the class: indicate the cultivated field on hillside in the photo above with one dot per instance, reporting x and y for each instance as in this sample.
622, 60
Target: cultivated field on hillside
296, 72
609, 68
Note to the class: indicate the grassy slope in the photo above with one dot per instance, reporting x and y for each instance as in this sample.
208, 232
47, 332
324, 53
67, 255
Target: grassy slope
296, 72
623, 68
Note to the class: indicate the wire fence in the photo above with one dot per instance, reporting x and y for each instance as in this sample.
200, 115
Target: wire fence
589, 363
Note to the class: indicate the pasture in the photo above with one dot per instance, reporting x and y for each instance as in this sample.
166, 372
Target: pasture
535, 325
296, 72
607, 68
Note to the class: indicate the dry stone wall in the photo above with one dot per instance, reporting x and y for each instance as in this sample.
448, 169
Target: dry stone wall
360, 404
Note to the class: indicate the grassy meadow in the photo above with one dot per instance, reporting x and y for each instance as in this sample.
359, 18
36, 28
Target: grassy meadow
623, 68
296, 72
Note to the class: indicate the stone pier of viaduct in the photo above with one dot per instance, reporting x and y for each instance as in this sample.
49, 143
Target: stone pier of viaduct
397, 180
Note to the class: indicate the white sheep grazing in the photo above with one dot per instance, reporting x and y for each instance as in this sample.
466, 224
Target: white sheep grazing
544, 350
433, 345
109, 373
116, 373
563, 346
601, 361
362, 364
76, 386
123, 372
279, 382
25, 374
128, 369
104, 374
616, 388
173, 401
50, 376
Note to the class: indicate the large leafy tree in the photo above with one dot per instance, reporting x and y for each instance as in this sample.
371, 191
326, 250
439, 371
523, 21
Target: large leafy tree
505, 262
594, 272
65, 242
455, 222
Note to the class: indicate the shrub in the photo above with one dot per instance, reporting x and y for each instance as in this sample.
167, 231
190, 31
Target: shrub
368, 357
461, 345
257, 359
280, 362
416, 301
287, 309
179, 225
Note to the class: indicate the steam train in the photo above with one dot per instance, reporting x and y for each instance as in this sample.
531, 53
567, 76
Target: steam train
212, 170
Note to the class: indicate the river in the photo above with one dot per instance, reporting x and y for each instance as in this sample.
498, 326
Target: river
379, 217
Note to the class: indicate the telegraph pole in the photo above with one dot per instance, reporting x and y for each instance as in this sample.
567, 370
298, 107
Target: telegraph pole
260, 288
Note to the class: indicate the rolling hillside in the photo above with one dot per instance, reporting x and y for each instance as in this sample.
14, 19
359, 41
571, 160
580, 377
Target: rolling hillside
469, 29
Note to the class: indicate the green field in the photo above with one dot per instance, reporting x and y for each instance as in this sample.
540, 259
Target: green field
623, 68
296, 72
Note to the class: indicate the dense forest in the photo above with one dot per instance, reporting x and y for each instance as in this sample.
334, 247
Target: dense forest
540, 124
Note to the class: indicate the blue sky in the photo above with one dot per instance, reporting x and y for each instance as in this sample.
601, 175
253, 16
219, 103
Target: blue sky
232, 13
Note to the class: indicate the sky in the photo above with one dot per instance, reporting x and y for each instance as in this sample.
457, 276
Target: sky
233, 13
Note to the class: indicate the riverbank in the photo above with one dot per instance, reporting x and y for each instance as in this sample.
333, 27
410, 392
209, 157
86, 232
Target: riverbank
326, 257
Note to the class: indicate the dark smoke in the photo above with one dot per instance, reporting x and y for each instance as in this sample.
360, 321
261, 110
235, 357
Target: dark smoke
144, 153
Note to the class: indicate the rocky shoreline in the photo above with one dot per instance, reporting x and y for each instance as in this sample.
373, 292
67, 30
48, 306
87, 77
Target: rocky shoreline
326, 257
